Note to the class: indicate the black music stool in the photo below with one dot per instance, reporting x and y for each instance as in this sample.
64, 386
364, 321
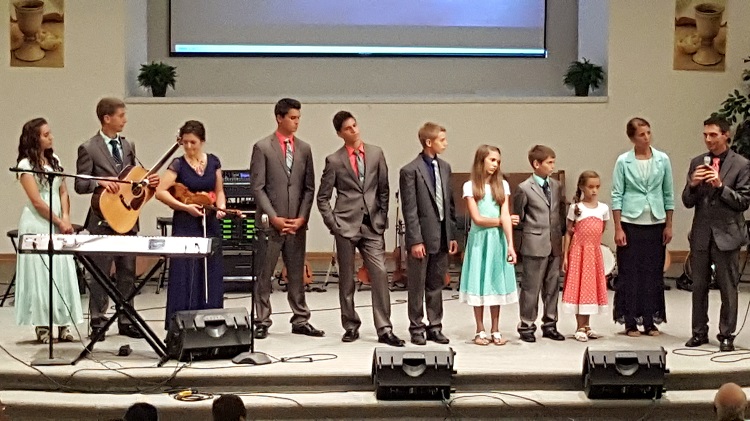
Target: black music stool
163, 223
13, 235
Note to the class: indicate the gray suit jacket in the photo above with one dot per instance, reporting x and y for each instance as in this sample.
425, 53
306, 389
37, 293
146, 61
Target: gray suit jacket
541, 224
278, 193
420, 209
719, 212
354, 200
95, 159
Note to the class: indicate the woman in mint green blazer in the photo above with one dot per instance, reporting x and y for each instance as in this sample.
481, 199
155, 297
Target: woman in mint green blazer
642, 207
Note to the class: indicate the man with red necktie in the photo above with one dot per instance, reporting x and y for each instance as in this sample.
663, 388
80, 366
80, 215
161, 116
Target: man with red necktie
718, 187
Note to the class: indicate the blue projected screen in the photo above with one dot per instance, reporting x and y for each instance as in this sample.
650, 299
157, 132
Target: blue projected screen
358, 27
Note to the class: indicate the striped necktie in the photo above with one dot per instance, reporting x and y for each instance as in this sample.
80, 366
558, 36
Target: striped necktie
289, 158
438, 189
116, 152
360, 166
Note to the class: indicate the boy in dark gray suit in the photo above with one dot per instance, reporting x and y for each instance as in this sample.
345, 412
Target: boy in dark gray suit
537, 201
283, 179
106, 154
359, 174
430, 218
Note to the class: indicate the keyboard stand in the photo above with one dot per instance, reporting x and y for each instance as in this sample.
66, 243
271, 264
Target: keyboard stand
122, 306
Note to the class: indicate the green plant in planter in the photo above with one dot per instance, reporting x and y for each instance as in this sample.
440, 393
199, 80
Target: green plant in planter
157, 77
736, 109
583, 75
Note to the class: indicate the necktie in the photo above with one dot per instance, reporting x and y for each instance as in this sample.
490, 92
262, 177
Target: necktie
547, 191
116, 152
360, 166
289, 158
438, 189
715, 163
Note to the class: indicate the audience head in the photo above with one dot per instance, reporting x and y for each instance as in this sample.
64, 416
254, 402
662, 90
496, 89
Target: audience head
432, 137
228, 408
3, 415
287, 112
141, 411
730, 403
542, 160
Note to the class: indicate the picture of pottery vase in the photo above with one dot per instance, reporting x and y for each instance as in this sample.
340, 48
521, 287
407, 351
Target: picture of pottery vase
708, 22
29, 15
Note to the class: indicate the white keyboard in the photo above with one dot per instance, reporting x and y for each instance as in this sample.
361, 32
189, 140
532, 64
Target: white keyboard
117, 244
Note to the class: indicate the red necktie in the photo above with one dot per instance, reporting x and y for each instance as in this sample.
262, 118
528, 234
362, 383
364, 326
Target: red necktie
715, 163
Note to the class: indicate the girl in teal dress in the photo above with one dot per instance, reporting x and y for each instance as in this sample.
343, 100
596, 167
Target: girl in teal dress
32, 276
487, 276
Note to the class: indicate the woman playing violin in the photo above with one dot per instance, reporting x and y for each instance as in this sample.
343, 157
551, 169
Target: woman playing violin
200, 174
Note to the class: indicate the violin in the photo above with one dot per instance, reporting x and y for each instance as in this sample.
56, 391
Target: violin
204, 199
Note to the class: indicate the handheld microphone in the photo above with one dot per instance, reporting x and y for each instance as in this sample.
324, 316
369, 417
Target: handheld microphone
707, 161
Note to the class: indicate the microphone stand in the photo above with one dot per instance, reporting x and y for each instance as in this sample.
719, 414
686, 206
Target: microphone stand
50, 359
252, 357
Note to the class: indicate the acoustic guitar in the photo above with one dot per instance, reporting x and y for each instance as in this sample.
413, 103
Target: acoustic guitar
122, 209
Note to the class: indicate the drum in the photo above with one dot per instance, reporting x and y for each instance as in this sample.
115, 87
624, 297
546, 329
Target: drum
610, 266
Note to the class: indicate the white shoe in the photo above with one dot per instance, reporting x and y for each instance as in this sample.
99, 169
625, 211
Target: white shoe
581, 335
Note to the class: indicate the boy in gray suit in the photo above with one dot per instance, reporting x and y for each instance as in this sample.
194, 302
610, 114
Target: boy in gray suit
106, 154
537, 201
283, 182
430, 218
359, 174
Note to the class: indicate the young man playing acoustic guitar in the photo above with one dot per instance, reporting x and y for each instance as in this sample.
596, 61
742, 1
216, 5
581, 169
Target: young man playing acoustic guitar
106, 155
430, 217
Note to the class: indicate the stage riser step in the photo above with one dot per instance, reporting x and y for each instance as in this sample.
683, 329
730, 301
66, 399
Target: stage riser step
245, 382
363, 405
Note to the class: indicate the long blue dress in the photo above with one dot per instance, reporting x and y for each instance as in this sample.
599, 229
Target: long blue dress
487, 279
32, 275
186, 289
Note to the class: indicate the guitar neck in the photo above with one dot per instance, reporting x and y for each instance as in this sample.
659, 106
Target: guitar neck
163, 160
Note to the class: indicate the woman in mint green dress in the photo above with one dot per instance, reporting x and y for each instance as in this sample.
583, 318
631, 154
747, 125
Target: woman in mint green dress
32, 276
487, 276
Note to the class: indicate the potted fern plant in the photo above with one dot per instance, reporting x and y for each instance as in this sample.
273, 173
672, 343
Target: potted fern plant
582, 75
157, 77
736, 110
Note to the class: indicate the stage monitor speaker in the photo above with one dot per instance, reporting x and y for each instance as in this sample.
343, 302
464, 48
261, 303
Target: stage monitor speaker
412, 375
624, 374
208, 334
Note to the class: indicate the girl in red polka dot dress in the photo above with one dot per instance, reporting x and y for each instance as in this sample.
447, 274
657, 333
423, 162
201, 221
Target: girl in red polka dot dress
585, 291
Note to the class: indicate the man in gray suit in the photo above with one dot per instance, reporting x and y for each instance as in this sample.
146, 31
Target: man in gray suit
430, 218
359, 174
105, 155
718, 187
283, 179
536, 201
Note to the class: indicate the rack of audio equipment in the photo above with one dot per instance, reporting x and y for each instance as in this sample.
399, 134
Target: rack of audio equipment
238, 234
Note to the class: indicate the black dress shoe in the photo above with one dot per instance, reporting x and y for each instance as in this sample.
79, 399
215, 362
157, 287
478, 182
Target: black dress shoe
418, 338
129, 331
553, 334
438, 337
696, 341
307, 329
350, 335
527, 336
390, 339
95, 330
261, 332
726, 345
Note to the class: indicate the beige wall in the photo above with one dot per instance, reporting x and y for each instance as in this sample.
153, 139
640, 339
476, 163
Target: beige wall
586, 135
